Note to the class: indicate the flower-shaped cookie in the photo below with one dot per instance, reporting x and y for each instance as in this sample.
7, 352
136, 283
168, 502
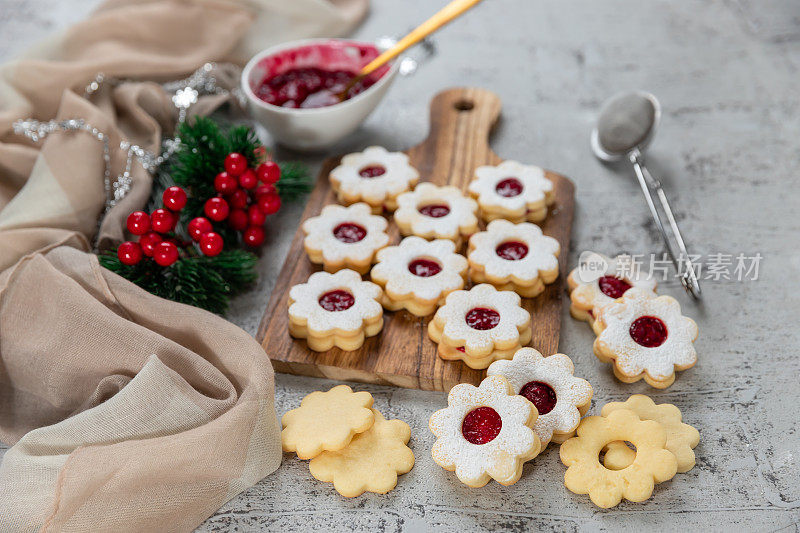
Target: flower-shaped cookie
485, 432
435, 212
512, 191
335, 310
681, 438
606, 488
599, 280
374, 176
345, 237
418, 274
515, 257
480, 322
645, 337
371, 462
548, 383
326, 421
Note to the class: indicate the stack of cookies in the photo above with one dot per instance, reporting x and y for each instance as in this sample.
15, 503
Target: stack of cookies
350, 444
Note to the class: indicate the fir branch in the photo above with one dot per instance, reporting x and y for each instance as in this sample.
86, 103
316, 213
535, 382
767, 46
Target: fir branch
295, 181
205, 282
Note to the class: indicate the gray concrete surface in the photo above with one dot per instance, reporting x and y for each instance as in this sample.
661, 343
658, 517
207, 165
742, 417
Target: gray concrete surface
726, 73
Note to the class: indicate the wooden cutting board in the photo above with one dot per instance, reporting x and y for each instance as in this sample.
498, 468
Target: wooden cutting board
402, 354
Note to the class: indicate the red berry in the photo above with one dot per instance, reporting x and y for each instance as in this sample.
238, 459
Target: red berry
238, 199
174, 198
138, 223
162, 220
225, 183
198, 226
248, 179
148, 242
269, 203
264, 188
268, 172
216, 209
238, 219
211, 244
235, 164
255, 216
129, 253
253, 236
165, 254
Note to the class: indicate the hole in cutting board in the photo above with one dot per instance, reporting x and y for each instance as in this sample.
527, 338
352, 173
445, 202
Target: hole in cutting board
464, 105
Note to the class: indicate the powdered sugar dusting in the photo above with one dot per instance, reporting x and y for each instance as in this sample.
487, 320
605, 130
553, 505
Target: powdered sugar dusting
392, 269
500, 458
458, 333
536, 188
542, 254
460, 221
320, 236
305, 308
557, 371
614, 321
400, 176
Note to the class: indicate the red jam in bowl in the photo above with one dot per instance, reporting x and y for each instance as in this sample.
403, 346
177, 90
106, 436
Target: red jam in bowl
312, 75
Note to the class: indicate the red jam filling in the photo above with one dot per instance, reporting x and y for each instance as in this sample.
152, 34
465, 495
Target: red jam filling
612, 286
461, 349
337, 300
372, 171
348, 232
424, 268
309, 87
509, 187
512, 250
434, 210
482, 319
481, 425
648, 331
541, 395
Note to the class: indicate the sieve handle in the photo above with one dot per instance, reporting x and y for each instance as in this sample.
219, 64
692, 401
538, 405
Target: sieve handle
681, 260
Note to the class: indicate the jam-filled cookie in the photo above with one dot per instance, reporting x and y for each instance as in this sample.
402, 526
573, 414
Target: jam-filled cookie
417, 274
480, 326
516, 257
375, 176
590, 290
484, 433
645, 336
345, 237
335, 310
433, 212
548, 383
512, 191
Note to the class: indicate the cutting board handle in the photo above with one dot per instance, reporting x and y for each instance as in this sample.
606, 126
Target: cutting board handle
461, 122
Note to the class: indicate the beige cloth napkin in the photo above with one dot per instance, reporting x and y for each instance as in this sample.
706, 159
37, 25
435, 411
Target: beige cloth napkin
129, 412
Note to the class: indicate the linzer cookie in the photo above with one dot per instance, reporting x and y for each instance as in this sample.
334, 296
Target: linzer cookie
335, 310
485, 433
548, 382
681, 438
480, 326
512, 191
654, 463
433, 212
516, 257
375, 176
591, 289
645, 336
371, 461
345, 237
417, 274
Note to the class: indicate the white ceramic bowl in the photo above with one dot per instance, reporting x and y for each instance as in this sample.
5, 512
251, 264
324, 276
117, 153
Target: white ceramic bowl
316, 128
